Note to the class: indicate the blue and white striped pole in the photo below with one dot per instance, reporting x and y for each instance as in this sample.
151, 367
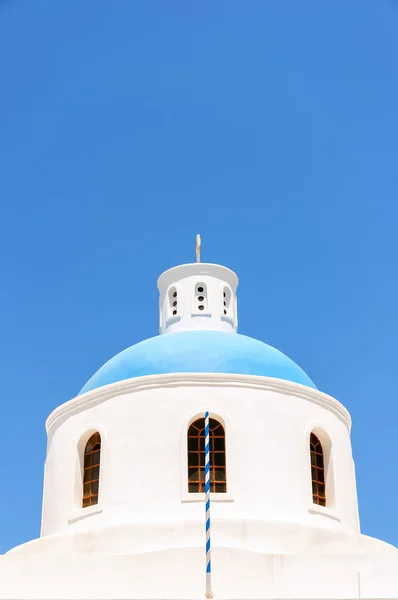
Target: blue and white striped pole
209, 593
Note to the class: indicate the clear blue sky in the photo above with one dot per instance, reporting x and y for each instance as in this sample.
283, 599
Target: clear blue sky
271, 128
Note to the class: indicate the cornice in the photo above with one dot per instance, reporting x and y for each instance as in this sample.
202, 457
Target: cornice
194, 269
215, 380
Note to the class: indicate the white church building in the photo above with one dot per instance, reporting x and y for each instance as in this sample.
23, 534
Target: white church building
123, 499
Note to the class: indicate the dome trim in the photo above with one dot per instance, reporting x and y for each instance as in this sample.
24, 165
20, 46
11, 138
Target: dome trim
190, 269
148, 382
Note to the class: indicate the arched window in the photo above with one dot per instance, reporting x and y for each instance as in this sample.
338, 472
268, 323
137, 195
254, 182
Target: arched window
92, 454
317, 471
196, 457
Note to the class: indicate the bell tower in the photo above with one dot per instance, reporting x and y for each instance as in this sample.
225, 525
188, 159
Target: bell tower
198, 296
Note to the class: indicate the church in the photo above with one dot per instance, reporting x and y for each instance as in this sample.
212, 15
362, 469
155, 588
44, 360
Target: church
200, 420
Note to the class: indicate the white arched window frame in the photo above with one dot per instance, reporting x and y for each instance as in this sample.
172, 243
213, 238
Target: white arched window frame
173, 301
227, 301
227, 304
171, 312
328, 469
77, 511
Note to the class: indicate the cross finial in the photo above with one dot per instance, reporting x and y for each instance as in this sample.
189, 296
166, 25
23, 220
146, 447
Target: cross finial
198, 244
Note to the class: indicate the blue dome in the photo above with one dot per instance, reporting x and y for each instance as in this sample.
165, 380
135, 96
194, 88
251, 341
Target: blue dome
198, 352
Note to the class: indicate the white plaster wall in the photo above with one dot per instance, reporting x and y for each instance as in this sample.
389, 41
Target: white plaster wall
143, 424
184, 279
179, 574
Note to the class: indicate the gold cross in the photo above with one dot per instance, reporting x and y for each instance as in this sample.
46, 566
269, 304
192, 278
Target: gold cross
198, 244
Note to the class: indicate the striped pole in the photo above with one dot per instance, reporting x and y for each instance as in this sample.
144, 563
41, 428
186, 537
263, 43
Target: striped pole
209, 593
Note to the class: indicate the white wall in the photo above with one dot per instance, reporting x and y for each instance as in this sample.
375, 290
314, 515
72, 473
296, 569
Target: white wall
143, 425
179, 574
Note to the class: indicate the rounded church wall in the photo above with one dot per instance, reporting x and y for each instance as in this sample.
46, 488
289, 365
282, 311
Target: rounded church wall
144, 473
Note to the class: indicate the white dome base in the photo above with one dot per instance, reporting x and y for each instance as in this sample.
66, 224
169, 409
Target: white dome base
250, 560
178, 573
266, 537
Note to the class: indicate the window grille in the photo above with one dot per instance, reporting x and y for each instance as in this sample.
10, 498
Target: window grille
91, 473
196, 457
317, 471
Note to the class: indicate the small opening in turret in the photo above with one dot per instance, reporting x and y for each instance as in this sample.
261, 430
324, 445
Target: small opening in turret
200, 298
173, 302
227, 295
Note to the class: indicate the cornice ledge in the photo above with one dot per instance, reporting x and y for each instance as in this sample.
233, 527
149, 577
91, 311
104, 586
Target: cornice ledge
146, 382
